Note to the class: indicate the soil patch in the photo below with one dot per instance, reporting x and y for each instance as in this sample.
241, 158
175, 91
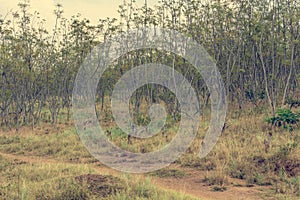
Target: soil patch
101, 185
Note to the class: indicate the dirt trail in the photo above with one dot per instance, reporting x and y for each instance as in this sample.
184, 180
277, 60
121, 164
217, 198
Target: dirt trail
192, 184
189, 184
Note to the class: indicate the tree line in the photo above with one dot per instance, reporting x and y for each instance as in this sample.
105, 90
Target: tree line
255, 44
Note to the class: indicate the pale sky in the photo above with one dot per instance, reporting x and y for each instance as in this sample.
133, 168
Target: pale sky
90, 9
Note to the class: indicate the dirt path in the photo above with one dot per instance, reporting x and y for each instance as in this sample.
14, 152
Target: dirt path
193, 184
189, 184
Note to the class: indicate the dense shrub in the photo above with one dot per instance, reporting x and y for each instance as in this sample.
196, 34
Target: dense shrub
284, 118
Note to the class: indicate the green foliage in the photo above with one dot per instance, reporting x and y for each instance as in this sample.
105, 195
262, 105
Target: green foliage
285, 118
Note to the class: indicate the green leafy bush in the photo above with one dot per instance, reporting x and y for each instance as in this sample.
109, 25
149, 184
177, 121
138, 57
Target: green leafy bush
285, 118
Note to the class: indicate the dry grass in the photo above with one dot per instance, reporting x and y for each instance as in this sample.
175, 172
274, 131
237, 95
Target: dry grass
22, 180
240, 153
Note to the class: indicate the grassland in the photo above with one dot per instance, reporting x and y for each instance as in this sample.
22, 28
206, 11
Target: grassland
50, 162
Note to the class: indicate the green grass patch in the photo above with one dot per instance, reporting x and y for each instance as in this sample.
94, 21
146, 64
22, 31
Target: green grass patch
165, 173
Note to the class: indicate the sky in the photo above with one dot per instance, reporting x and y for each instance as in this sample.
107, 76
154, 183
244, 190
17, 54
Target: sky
90, 9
